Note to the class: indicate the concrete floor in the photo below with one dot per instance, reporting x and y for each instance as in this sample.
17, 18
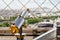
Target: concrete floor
14, 38
8, 38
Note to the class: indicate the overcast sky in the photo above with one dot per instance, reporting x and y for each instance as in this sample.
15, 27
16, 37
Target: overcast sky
16, 5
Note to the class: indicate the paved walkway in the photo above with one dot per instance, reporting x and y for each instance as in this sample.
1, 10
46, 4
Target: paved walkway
14, 38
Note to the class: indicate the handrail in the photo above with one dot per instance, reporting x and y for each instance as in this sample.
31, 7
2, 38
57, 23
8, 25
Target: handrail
50, 34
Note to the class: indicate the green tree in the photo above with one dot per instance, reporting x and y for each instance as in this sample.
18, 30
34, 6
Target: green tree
13, 18
34, 20
53, 17
5, 24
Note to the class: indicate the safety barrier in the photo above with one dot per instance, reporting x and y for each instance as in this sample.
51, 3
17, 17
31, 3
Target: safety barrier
51, 34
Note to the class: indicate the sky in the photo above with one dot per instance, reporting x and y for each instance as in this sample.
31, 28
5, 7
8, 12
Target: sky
16, 5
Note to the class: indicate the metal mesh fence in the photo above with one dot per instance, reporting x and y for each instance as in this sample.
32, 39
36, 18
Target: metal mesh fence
12, 7
37, 7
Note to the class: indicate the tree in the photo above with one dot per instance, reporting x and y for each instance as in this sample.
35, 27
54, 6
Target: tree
13, 18
5, 24
34, 20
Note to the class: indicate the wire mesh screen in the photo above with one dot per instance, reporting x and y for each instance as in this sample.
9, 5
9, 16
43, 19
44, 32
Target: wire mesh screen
37, 8
12, 7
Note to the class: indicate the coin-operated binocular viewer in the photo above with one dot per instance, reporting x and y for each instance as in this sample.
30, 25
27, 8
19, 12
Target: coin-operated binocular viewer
16, 28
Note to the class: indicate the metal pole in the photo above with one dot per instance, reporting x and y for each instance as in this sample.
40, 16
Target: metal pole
21, 34
20, 31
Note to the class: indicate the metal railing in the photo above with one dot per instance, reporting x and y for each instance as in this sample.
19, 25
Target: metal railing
47, 36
